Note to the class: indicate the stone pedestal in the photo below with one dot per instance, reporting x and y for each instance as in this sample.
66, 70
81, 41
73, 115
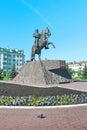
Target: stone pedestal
43, 72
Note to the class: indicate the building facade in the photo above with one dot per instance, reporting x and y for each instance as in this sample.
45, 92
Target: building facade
76, 66
8, 57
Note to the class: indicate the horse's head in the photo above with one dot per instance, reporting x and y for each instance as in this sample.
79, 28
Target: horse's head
47, 32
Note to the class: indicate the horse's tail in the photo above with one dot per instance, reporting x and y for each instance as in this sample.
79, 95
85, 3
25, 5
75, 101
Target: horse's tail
33, 52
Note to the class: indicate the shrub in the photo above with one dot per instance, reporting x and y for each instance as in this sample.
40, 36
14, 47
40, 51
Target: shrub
5, 78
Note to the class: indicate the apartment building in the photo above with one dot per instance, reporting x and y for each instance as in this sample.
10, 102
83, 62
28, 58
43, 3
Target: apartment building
8, 57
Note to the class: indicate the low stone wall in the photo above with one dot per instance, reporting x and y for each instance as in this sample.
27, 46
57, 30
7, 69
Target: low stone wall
8, 89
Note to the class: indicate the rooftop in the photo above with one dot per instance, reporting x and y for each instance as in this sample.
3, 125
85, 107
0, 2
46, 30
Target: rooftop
11, 50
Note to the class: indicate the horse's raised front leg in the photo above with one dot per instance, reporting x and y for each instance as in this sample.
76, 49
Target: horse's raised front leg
51, 44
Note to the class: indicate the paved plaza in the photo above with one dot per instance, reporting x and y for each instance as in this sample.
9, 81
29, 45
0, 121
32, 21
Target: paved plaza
57, 118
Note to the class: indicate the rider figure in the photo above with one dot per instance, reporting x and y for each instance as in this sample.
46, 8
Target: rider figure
37, 37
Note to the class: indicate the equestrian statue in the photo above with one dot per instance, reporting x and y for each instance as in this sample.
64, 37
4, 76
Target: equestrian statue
41, 41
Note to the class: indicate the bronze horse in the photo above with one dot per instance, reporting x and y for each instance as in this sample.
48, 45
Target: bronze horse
43, 43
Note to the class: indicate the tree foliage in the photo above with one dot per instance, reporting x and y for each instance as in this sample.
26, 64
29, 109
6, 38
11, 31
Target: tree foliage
1, 76
13, 72
71, 71
85, 72
79, 73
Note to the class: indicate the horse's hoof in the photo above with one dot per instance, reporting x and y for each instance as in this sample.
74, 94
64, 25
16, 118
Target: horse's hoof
46, 47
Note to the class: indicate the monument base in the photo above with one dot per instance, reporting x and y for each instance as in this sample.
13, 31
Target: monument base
43, 72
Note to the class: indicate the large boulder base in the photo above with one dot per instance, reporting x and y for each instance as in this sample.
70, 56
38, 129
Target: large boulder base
43, 72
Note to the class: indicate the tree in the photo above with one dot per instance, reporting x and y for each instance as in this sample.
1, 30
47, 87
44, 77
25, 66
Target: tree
13, 72
71, 71
85, 72
79, 73
1, 76
8, 73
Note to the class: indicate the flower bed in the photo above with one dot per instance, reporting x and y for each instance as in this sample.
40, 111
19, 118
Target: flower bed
43, 101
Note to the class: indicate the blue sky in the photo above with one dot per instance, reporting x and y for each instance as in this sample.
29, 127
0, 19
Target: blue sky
66, 19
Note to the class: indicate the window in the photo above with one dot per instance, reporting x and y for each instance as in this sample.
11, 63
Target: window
5, 58
13, 55
5, 54
9, 55
4, 67
9, 59
13, 59
4, 63
9, 68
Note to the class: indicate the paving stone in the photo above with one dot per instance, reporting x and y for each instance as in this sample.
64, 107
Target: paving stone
67, 118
